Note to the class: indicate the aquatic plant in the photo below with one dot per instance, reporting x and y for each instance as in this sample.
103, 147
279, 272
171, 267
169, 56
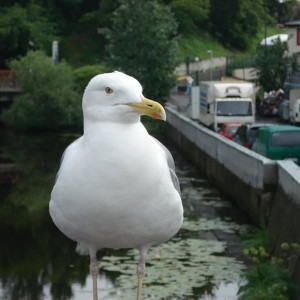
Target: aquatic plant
175, 269
269, 277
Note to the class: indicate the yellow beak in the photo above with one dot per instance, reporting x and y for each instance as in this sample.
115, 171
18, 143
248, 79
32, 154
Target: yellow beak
150, 108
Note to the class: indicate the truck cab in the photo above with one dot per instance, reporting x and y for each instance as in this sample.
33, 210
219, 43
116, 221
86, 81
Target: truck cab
226, 102
279, 142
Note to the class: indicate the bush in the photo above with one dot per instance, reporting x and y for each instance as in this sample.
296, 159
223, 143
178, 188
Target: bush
268, 281
49, 100
269, 277
84, 74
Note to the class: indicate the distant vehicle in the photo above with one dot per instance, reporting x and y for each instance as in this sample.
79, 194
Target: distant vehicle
295, 106
279, 142
228, 130
284, 111
225, 102
295, 109
247, 133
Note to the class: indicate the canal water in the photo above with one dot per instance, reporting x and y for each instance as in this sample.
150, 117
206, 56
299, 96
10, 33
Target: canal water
203, 261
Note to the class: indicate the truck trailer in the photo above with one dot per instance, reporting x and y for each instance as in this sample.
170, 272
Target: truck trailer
224, 102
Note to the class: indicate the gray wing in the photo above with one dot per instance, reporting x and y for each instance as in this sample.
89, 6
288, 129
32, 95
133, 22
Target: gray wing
64, 153
171, 165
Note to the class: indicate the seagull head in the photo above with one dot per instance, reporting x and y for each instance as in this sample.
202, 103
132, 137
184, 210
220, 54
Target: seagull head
118, 97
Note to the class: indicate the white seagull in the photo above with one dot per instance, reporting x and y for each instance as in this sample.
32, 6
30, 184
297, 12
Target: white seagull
116, 187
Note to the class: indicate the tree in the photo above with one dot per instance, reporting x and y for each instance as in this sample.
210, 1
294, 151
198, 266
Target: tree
49, 100
281, 10
22, 28
192, 15
272, 64
143, 44
235, 22
84, 74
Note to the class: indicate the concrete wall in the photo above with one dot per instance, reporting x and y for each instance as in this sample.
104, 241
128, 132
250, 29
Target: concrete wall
269, 191
284, 222
202, 66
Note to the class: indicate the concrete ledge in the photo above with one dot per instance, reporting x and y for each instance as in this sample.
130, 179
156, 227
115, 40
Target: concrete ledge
289, 179
254, 169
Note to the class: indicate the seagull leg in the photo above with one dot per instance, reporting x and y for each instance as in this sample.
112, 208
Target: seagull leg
141, 268
94, 269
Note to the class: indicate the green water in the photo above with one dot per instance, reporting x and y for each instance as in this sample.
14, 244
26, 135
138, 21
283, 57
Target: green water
203, 261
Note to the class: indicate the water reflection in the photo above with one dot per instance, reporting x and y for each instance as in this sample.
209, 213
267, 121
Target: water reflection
38, 262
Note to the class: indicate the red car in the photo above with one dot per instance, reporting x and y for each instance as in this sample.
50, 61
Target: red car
228, 130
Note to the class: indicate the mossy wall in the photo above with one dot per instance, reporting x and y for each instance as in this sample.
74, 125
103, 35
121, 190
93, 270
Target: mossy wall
284, 228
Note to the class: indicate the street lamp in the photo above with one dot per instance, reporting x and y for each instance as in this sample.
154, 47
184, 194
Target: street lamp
197, 69
211, 62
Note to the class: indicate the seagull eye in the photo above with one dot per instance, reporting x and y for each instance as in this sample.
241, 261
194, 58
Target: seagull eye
108, 90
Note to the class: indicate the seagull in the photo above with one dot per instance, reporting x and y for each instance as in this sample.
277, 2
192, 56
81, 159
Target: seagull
116, 187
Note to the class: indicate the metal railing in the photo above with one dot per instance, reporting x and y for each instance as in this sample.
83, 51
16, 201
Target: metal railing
7, 79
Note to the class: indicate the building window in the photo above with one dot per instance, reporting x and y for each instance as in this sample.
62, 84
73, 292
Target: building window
298, 36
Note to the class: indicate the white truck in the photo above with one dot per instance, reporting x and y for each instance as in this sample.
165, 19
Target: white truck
224, 102
295, 106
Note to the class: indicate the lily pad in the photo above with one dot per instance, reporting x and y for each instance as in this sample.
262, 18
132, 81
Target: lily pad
175, 268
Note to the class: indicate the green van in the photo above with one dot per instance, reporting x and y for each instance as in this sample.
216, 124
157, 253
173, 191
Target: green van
279, 142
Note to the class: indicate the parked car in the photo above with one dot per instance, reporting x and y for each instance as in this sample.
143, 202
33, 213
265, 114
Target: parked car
228, 130
247, 133
279, 142
284, 111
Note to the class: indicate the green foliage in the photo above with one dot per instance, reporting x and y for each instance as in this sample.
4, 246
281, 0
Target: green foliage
79, 25
257, 238
192, 15
267, 281
269, 30
143, 45
84, 74
197, 45
272, 64
234, 22
21, 26
281, 10
49, 100
269, 278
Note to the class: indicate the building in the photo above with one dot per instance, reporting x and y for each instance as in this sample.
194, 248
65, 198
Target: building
293, 31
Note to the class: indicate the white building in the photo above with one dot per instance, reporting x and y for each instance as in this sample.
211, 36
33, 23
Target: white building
293, 31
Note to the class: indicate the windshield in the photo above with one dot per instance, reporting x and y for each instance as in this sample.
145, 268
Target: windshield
288, 138
234, 108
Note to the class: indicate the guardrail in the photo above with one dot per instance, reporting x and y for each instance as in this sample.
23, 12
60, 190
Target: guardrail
7, 78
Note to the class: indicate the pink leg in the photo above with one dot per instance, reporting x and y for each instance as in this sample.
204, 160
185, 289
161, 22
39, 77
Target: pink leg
141, 268
94, 269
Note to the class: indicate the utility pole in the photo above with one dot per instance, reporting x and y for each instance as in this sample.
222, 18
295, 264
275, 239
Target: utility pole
211, 62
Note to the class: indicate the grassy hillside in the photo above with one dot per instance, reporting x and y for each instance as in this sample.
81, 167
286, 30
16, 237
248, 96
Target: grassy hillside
197, 46
88, 48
